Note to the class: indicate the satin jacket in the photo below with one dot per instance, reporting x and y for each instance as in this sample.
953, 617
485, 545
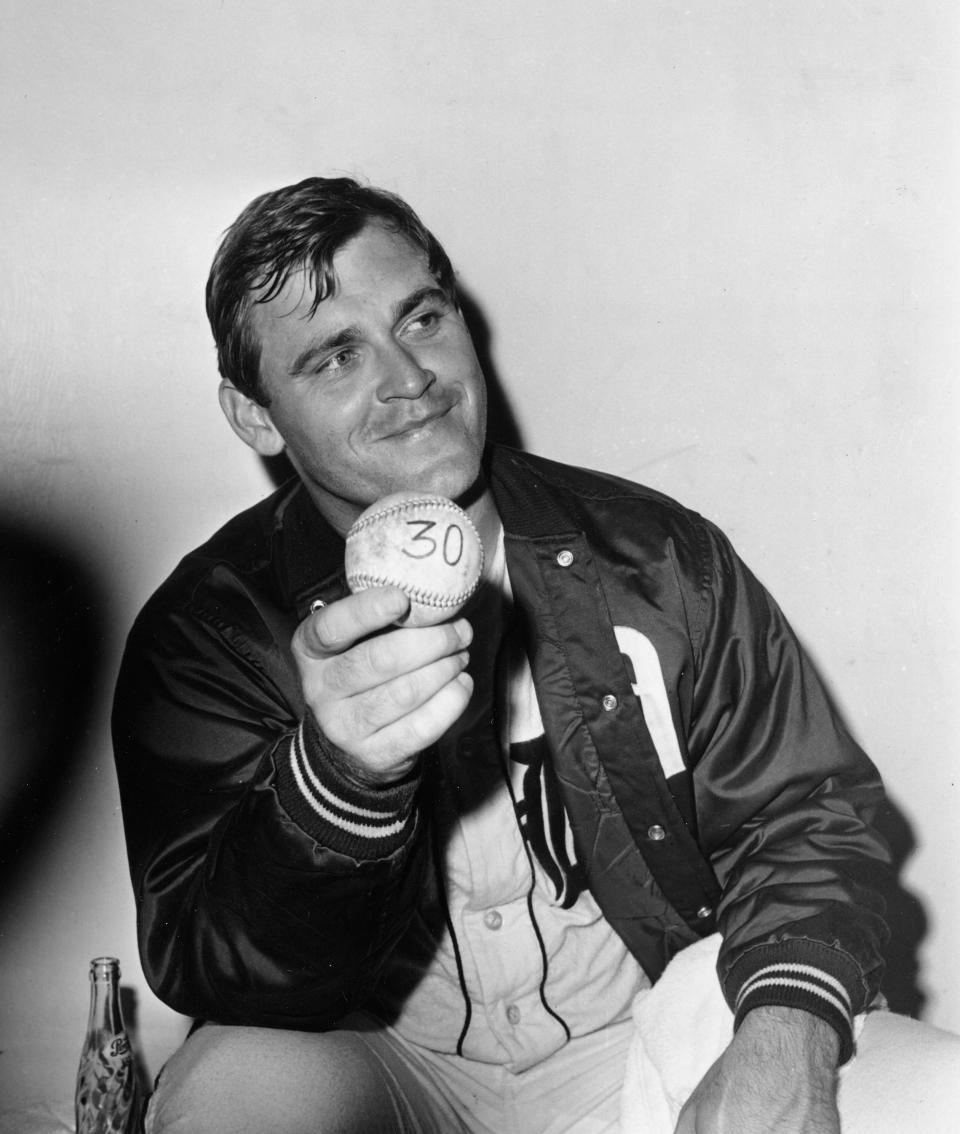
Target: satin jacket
708, 782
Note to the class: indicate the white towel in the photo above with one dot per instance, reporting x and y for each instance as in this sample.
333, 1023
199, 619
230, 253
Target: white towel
905, 1077
682, 1025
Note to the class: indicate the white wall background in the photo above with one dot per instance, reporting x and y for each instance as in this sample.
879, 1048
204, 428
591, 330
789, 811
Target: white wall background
715, 243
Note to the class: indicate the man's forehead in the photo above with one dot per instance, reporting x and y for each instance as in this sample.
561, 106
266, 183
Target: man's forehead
299, 290
377, 261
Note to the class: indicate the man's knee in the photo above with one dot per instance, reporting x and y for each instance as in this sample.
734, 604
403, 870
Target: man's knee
904, 1077
234, 1079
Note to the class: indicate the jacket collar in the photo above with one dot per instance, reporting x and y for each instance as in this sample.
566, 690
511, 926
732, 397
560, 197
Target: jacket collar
308, 552
528, 504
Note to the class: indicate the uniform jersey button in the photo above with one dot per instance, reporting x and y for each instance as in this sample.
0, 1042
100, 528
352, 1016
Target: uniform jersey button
656, 833
513, 1014
492, 919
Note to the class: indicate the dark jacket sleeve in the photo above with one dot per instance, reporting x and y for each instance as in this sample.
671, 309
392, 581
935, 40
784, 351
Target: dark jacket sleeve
785, 801
267, 892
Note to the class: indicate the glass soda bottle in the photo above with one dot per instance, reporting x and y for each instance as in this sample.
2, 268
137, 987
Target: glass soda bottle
107, 1098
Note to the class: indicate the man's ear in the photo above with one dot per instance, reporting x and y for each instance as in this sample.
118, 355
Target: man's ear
250, 421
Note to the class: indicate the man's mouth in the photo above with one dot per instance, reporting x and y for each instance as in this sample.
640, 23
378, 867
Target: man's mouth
414, 425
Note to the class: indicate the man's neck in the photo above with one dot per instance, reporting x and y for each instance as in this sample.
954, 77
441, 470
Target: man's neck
483, 511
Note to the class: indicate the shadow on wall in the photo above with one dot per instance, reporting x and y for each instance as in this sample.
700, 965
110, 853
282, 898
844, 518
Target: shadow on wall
501, 423
52, 657
906, 918
130, 1009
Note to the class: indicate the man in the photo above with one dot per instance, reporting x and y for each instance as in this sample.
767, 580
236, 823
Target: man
414, 878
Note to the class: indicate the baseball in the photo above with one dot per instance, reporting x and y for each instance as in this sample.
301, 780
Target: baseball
425, 545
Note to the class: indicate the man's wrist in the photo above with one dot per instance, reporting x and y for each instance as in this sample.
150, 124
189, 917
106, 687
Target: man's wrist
798, 1037
361, 821
799, 973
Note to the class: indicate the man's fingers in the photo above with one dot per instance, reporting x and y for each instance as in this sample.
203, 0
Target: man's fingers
417, 730
383, 658
335, 628
408, 693
379, 692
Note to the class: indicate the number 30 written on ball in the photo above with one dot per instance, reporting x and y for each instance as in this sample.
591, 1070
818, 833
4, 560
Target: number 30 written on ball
424, 545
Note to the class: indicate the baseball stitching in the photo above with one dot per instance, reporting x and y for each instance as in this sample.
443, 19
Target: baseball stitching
361, 580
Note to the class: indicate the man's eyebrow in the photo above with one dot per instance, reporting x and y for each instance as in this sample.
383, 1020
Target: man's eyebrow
348, 335
341, 338
430, 293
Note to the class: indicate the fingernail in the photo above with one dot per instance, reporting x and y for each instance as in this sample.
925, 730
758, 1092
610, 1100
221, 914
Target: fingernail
395, 603
464, 632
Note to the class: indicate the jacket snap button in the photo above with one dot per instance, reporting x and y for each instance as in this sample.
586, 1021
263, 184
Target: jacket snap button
704, 912
609, 702
565, 557
656, 833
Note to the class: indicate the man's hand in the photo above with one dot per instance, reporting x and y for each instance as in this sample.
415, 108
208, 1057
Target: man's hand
778, 1076
380, 695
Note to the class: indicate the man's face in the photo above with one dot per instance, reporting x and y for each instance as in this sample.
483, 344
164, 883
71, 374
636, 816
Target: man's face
380, 390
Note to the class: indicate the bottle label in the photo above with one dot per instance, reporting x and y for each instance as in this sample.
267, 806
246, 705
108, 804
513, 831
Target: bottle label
106, 1087
111, 1060
116, 1049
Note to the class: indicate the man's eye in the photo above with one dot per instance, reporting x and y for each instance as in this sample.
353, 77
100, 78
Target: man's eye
425, 321
337, 361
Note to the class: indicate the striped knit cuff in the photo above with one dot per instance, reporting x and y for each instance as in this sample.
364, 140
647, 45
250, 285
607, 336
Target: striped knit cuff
364, 823
799, 973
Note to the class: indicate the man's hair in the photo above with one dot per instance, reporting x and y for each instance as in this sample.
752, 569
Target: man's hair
277, 234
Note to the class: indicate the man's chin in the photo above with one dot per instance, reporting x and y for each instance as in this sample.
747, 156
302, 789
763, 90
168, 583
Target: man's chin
462, 490
457, 479
460, 480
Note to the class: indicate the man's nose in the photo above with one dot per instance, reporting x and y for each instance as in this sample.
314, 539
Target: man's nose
403, 375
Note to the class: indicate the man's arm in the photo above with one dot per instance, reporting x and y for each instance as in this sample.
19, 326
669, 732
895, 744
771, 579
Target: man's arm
255, 905
778, 1073
785, 801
